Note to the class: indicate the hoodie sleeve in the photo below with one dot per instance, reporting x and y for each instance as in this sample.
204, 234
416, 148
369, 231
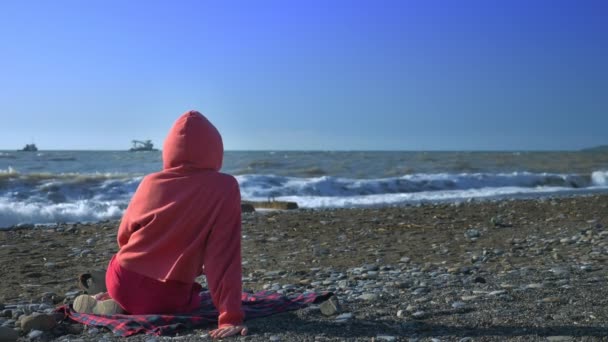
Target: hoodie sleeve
223, 261
127, 226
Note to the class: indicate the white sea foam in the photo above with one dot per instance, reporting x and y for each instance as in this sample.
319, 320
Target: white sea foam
50, 198
599, 178
13, 213
425, 196
260, 186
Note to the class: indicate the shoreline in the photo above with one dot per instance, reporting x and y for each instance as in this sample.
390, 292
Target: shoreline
282, 205
515, 269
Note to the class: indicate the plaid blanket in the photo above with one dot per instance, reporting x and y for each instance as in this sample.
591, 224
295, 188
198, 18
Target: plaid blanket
259, 304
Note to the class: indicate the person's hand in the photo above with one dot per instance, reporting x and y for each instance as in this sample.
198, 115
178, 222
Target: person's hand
228, 331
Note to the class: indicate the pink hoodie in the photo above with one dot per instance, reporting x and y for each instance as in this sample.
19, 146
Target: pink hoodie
188, 216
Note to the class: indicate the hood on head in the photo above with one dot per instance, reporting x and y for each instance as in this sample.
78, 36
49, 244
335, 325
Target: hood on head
193, 141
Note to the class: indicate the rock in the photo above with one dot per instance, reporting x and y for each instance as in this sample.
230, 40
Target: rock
34, 334
419, 314
369, 296
459, 305
551, 300
8, 334
472, 234
404, 260
559, 338
385, 338
41, 322
9, 323
344, 317
330, 307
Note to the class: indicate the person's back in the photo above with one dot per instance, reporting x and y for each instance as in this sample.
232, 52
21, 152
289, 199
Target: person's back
165, 232
181, 221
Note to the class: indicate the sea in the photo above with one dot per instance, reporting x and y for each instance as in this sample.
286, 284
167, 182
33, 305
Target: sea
48, 187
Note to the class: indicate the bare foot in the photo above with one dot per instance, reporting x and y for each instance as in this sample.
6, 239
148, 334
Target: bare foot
228, 331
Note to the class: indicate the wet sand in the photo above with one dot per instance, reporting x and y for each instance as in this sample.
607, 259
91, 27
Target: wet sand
520, 270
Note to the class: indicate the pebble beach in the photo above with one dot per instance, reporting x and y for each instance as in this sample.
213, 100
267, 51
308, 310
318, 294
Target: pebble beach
516, 270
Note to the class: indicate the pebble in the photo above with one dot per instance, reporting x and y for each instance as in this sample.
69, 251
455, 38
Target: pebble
330, 307
459, 305
369, 296
418, 314
344, 317
41, 322
472, 234
34, 334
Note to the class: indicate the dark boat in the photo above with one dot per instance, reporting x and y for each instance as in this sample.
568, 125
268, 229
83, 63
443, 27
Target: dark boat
139, 145
30, 148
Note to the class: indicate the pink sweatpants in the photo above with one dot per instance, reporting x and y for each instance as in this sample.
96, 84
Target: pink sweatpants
140, 295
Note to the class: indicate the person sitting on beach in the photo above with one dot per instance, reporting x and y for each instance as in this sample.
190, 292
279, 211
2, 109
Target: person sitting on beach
181, 221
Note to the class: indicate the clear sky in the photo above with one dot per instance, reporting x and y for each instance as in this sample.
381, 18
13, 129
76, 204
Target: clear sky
347, 75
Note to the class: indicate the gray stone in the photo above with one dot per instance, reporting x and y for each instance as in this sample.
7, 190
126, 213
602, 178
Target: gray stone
472, 233
385, 338
458, 305
559, 338
419, 314
41, 322
344, 317
330, 307
369, 296
34, 334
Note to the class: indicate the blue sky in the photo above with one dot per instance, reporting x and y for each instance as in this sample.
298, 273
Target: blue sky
347, 75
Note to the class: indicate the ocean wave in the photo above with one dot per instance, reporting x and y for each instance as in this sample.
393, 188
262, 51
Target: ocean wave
425, 196
260, 186
14, 213
71, 197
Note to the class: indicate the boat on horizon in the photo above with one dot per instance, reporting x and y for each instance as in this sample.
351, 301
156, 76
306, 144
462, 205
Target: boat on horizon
139, 145
29, 148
